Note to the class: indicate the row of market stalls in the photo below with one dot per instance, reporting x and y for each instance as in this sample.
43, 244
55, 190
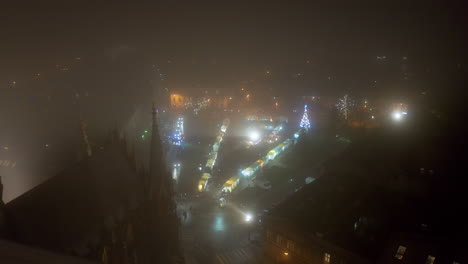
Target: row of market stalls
212, 156
274, 135
250, 171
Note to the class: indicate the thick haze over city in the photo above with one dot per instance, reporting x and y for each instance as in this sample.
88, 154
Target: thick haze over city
253, 109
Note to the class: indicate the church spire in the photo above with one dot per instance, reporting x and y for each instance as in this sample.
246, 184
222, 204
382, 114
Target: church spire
84, 134
155, 162
1, 191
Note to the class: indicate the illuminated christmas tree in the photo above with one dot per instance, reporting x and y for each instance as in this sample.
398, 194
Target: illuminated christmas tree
305, 123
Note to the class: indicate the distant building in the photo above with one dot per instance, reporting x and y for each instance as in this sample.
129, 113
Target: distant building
179, 101
220, 102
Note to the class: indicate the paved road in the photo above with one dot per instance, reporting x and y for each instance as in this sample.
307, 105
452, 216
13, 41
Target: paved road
211, 234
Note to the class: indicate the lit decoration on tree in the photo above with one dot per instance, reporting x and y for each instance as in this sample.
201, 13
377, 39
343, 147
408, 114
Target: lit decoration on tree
177, 138
344, 105
305, 123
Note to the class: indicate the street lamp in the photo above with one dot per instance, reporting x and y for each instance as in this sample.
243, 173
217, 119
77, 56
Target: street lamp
248, 217
396, 116
254, 136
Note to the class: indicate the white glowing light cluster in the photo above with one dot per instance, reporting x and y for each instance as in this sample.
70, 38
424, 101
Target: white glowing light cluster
201, 104
344, 105
397, 116
305, 123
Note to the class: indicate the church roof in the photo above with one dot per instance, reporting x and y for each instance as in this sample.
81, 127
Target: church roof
72, 209
13, 253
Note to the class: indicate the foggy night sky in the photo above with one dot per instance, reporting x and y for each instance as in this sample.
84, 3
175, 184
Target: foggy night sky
234, 33
213, 45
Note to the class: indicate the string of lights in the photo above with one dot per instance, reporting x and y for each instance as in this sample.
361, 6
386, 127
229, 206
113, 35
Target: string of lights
177, 139
305, 123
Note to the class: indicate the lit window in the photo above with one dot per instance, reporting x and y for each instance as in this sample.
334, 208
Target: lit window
400, 252
290, 245
279, 240
430, 259
269, 235
326, 258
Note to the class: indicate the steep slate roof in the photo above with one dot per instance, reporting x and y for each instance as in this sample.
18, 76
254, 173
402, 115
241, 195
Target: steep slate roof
13, 253
73, 208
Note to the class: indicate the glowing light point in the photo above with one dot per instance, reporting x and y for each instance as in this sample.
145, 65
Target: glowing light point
254, 136
248, 217
396, 116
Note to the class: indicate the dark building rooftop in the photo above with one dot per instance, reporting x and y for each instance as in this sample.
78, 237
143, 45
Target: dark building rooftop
13, 253
349, 213
374, 190
72, 209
